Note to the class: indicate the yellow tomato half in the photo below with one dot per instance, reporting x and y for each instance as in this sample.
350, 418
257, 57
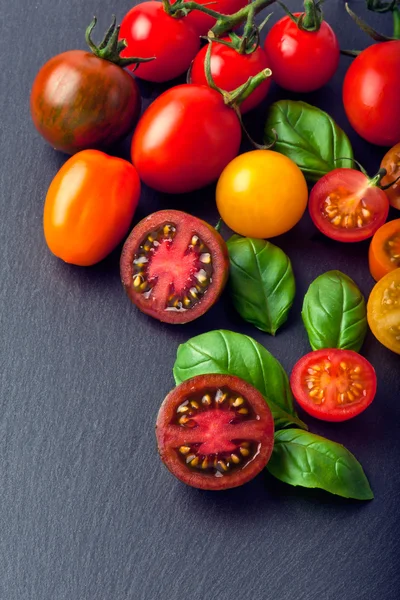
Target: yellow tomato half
261, 194
383, 311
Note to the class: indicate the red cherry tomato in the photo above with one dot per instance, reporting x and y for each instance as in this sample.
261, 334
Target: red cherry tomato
202, 23
333, 385
230, 69
185, 139
302, 61
371, 93
150, 31
345, 206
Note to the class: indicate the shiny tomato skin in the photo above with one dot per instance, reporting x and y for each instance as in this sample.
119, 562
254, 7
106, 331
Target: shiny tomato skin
384, 250
184, 139
346, 193
302, 61
333, 385
391, 162
150, 31
371, 92
383, 311
230, 69
79, 101
89, 207
202, 23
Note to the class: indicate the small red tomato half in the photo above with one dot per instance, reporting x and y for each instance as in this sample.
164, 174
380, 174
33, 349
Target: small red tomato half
89, 207
333, 385
150, 31
300, 60
185, 139
202, 22
347, 206
230, 69
371, 93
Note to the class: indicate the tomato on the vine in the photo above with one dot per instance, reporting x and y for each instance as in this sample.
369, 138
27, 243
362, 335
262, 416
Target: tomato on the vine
347, 206
202, 22
384, 250
89, 207
371, 93
391, 162
383, 311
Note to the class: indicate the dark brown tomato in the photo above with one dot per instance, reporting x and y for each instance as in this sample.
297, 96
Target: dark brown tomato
174, 266
80, 101
215, 432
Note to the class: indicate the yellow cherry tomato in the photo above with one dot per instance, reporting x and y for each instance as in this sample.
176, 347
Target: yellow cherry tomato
383, 311
261, 194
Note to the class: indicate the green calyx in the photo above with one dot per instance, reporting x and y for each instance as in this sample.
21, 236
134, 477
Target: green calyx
111, 47
249, 41
312, 17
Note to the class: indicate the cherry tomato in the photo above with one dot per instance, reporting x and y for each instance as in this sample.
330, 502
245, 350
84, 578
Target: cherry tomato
89, 207
261, 194
384, 251
333, 385
302, 61
230, 69
371, 92
202, 23
150, 31
391, 162
346, 206
185, 138
383, 311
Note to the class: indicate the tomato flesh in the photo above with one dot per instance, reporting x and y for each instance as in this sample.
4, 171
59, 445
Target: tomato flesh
383, 311
215, 432
384, 250
333, 385
345, 207
391, 162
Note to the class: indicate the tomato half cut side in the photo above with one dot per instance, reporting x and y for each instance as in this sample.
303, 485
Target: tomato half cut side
346, 207
384, 250
215, 432
333, 384
174, 266
391, 162
383, 311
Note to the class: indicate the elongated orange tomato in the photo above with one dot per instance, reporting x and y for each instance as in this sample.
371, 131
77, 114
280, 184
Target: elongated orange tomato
89, 207
384, 251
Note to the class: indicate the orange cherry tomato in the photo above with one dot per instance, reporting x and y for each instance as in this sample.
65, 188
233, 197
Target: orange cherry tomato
391, 162
384, 251
89, 207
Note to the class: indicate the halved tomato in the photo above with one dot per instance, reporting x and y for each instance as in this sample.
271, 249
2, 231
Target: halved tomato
384, 251
333, 384
391, 162
383, 311
347, 206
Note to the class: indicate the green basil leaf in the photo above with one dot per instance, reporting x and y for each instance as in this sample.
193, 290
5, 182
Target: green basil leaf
261, 282
308, 460
309, 136
334, 313
232, 353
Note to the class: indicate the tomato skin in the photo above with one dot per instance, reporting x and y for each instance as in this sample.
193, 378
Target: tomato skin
150, 31
184, 139
89, 207
80, 101
391, 162
384, 256
350, 193
302, 61
383, 311
371, 92
230, 69
202, 23
340, 372
254, 202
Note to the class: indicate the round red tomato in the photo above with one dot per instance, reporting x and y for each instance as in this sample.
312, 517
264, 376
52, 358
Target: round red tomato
202, 22
185, 139
333, 385
301, 61
346, 206
230, 69
150, 31
371, 93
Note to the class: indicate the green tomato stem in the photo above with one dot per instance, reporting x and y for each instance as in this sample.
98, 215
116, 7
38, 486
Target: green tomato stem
396, 23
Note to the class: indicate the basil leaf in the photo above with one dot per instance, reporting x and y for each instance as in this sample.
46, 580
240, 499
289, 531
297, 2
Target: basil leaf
261, 282
308, 460
309, 136
233, 353
334, 313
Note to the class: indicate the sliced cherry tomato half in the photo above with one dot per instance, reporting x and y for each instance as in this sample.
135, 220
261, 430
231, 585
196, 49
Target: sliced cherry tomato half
215, 432
333, 385
174, 266
383, 311
391, 162
346, 207
384, 251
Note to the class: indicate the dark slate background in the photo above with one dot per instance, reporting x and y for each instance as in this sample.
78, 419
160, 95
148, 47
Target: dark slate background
87, 511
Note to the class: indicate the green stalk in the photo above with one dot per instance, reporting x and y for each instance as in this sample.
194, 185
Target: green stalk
396, 23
